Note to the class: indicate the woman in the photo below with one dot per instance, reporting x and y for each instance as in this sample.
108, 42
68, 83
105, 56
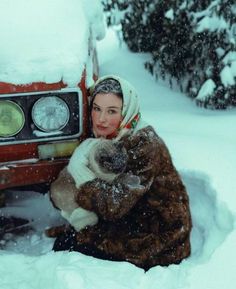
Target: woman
143, 215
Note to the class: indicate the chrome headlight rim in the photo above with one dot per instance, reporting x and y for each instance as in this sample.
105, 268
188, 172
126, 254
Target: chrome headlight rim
17, 108
47, 98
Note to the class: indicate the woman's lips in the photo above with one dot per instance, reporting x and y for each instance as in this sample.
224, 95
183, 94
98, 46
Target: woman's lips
100, 127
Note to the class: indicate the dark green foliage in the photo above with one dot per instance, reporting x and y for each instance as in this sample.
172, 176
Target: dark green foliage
182, 46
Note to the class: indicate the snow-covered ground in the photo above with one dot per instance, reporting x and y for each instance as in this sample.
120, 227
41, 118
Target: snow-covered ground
202, 144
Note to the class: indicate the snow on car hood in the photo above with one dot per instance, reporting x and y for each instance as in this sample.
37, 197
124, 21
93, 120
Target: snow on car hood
45, 40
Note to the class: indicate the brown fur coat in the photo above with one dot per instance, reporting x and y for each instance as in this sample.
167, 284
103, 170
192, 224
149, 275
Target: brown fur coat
146, 225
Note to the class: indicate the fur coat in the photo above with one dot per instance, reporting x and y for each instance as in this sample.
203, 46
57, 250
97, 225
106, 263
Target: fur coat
146, 224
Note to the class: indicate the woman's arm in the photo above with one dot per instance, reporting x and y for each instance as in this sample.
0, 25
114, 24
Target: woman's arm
110, 200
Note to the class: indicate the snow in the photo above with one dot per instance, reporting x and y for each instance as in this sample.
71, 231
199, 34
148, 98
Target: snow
39, 133
170, 14
213, 23
202, 145
62, 25
227, 76
230, 57
228, 73
206, 90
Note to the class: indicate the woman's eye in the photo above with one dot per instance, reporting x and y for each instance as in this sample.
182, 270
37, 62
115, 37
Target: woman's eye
95, 108
112, 111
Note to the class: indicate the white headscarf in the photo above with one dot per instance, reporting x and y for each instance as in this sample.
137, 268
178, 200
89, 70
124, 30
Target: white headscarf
131, 109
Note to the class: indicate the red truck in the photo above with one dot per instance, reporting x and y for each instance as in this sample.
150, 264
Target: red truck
41, 124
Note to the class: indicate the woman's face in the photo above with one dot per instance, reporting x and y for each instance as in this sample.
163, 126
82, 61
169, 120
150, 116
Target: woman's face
106, 114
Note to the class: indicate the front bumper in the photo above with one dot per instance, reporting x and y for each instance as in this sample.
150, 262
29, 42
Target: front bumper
32, 172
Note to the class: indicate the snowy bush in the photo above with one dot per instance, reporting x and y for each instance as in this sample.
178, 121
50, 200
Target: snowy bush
192, 42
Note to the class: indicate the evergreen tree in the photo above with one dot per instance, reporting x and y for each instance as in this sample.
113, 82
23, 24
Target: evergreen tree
191, 41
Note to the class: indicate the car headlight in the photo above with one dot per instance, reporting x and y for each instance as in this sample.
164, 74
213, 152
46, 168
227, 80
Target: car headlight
50, 113
12, 118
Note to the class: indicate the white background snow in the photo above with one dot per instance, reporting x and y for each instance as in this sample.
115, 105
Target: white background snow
202, 144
